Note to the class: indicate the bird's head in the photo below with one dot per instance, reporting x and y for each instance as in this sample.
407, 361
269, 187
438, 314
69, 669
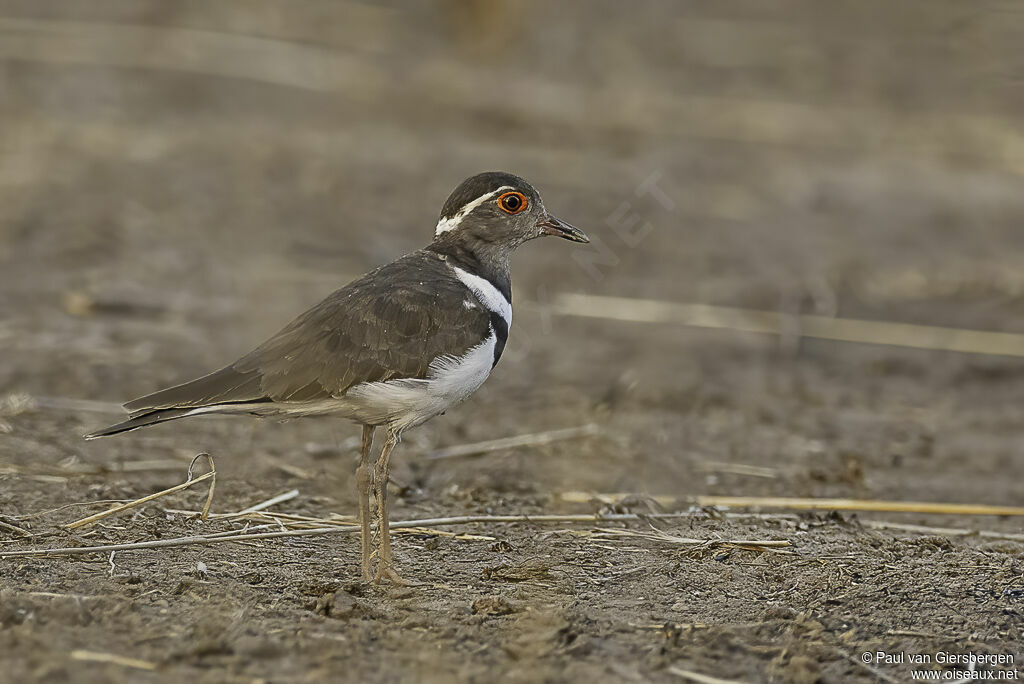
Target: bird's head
501, 210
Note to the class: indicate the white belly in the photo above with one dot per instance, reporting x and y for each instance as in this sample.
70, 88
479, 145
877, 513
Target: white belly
403, 404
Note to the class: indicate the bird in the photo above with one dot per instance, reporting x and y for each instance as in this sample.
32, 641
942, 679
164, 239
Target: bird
390, 350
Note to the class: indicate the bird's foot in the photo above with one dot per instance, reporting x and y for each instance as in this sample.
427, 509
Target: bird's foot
386, 573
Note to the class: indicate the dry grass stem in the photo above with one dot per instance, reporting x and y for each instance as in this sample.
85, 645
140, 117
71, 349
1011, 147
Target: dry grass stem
945, 531
673, 625
112, 659
273, 501
925, 507
345, 528
48, 479
534, 439
287, 518
461, 536
295, 525
691, 676
14, 529
774, 323
806, 504
738, 469
88, 520
213, 481
659, 536
51, 594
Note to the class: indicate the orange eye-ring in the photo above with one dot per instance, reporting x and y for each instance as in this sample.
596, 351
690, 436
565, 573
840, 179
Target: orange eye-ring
512, 202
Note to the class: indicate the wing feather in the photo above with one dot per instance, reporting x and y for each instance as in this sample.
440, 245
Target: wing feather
391, 323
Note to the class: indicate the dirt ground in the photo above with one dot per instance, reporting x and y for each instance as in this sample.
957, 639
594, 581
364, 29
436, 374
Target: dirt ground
178, 179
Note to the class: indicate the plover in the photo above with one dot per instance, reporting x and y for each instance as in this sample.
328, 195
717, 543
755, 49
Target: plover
391, 350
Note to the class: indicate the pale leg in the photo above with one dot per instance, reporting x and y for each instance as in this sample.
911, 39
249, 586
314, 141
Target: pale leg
364, 478
385, 570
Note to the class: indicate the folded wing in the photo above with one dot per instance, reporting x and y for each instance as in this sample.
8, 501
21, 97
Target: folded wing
391, 323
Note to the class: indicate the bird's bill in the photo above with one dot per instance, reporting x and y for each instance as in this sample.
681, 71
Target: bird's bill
550, 225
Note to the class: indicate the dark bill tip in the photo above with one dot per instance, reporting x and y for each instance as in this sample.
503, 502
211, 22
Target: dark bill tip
559, 228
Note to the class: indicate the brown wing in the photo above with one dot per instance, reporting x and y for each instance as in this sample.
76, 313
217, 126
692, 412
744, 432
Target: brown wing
391, 323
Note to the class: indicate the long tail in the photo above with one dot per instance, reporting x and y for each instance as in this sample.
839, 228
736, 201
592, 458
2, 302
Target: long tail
151, 418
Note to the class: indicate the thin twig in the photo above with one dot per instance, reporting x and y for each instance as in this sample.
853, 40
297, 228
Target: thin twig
946, 531
692, 676
462, 536
937, 508
261, 515
534, 439
113, 659
674, 625
427, 522
280, 498
660, 536
294, 521
213, 482
808, 504
738, 469
50, 594
14, 529
138, 502
772, 322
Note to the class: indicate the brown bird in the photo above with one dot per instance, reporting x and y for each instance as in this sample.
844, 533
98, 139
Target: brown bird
393, 349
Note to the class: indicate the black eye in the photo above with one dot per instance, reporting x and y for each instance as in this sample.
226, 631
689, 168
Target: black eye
512, 202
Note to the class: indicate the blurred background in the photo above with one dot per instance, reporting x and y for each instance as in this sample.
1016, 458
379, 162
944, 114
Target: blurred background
179, 179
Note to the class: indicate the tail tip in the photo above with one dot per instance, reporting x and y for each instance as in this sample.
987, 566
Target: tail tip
104, 432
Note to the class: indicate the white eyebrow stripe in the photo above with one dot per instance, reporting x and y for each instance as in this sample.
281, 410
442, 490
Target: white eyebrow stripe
487, 293
446, 224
